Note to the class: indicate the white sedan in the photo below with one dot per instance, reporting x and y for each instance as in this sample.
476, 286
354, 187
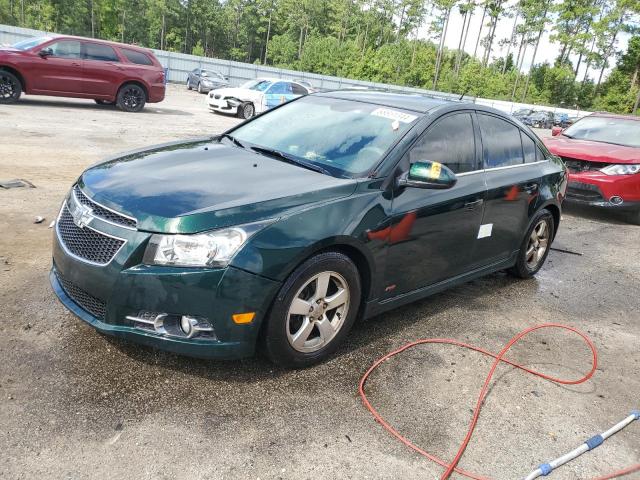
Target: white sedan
254, 96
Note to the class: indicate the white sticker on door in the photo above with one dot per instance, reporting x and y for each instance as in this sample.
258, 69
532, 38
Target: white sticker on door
485, 230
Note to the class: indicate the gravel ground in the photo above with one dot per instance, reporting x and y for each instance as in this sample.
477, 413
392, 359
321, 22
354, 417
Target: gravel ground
77, 405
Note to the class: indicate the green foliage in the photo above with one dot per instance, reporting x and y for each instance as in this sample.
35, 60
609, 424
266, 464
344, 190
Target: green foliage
378, 40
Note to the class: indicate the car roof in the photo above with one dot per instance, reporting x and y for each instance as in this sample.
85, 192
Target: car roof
104, 42
614, 115
408, 101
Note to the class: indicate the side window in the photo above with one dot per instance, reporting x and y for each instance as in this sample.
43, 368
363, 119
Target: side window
539, 155
65, 49
282, 88
450, 141
501, 142
298, 89
528, 147
102, 53
138, 58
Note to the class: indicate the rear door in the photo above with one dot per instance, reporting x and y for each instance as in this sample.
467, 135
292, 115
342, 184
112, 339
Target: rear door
279, 92
433, 232
59, 73
103, 70
513, 186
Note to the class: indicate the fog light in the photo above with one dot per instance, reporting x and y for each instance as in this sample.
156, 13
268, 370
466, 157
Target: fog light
186, 324
616, 200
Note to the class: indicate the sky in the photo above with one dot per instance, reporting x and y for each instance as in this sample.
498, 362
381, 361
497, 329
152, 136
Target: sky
546, 52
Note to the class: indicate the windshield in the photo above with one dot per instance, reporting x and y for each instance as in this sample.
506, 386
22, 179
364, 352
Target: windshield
343, 137
260, 85
30, 43
619, 131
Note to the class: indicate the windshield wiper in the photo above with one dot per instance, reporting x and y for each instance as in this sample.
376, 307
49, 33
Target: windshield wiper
233, 139
565, 135
289, 159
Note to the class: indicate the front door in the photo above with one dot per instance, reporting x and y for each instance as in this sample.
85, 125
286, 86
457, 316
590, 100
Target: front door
279, 92
434, 232
60, 72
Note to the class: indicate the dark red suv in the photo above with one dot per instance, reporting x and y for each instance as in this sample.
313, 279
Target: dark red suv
110, 73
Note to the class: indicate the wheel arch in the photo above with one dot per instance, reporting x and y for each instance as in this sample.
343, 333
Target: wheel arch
555, 212
134, 82
15, 72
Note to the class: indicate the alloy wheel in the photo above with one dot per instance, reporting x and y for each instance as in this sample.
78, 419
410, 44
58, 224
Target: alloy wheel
8, 87
317, 312
132, 97
538, 245
247, 111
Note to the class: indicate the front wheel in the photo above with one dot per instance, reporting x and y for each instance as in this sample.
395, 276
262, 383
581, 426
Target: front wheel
131, 98
188, 84
10, 87
313, 311
246, 111
535, 246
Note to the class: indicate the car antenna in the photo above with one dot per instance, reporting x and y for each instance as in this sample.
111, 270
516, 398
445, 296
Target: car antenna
463, 94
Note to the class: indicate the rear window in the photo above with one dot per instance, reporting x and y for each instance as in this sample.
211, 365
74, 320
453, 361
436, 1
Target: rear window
529, 148
138, 58
103, 53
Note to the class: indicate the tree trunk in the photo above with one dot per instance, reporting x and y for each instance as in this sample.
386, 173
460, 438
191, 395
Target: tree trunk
515, 84
484, 13
266, 45
513, 35
637, 104
441, 50
459, 53
533, 62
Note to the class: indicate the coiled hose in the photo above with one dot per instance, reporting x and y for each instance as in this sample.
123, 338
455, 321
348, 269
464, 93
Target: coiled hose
451, 467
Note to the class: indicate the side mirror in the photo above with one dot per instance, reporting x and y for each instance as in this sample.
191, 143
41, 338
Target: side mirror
428, 174
45, 52
555, 131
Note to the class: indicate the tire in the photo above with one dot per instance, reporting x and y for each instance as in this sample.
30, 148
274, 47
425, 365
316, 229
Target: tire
633, 217
188, 84
104, 102
10, 87
535, 245
295, 340
200, 88
246, 110
131, 98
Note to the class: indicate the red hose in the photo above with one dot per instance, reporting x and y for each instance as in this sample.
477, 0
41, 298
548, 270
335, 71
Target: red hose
452, 466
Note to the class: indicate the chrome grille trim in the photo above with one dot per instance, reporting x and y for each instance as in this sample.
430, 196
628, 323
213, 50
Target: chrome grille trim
66, 220
104, 213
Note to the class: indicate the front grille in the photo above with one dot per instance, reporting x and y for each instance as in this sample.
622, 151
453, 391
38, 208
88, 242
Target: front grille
584, 191
576, 165
86, 301
85, 243
102, 212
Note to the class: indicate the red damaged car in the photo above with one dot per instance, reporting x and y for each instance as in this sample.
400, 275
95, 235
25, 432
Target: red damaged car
107, 72
602, 153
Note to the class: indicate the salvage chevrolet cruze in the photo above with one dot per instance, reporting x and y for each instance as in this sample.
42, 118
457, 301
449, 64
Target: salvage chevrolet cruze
282, 231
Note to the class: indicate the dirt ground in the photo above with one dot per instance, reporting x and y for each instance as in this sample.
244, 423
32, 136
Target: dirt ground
77, 405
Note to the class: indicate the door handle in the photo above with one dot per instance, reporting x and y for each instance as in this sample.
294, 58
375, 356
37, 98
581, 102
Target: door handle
473, 204
74, 64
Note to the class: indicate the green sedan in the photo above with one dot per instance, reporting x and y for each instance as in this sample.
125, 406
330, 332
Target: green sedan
279, 233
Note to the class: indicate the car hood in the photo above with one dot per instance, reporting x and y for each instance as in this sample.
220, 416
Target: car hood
244, 94
203, 185
592, 151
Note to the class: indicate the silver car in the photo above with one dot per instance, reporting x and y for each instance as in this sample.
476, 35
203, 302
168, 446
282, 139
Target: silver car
206, 80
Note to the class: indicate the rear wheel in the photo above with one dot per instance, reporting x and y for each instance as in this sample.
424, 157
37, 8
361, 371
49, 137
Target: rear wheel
246, 110
10, 87
131, 98
313, 311
535, 246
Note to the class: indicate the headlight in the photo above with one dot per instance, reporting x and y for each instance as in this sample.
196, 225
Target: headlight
211, 249
621, 169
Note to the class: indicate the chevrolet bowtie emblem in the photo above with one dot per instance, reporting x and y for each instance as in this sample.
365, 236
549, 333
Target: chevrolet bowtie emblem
82, 216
